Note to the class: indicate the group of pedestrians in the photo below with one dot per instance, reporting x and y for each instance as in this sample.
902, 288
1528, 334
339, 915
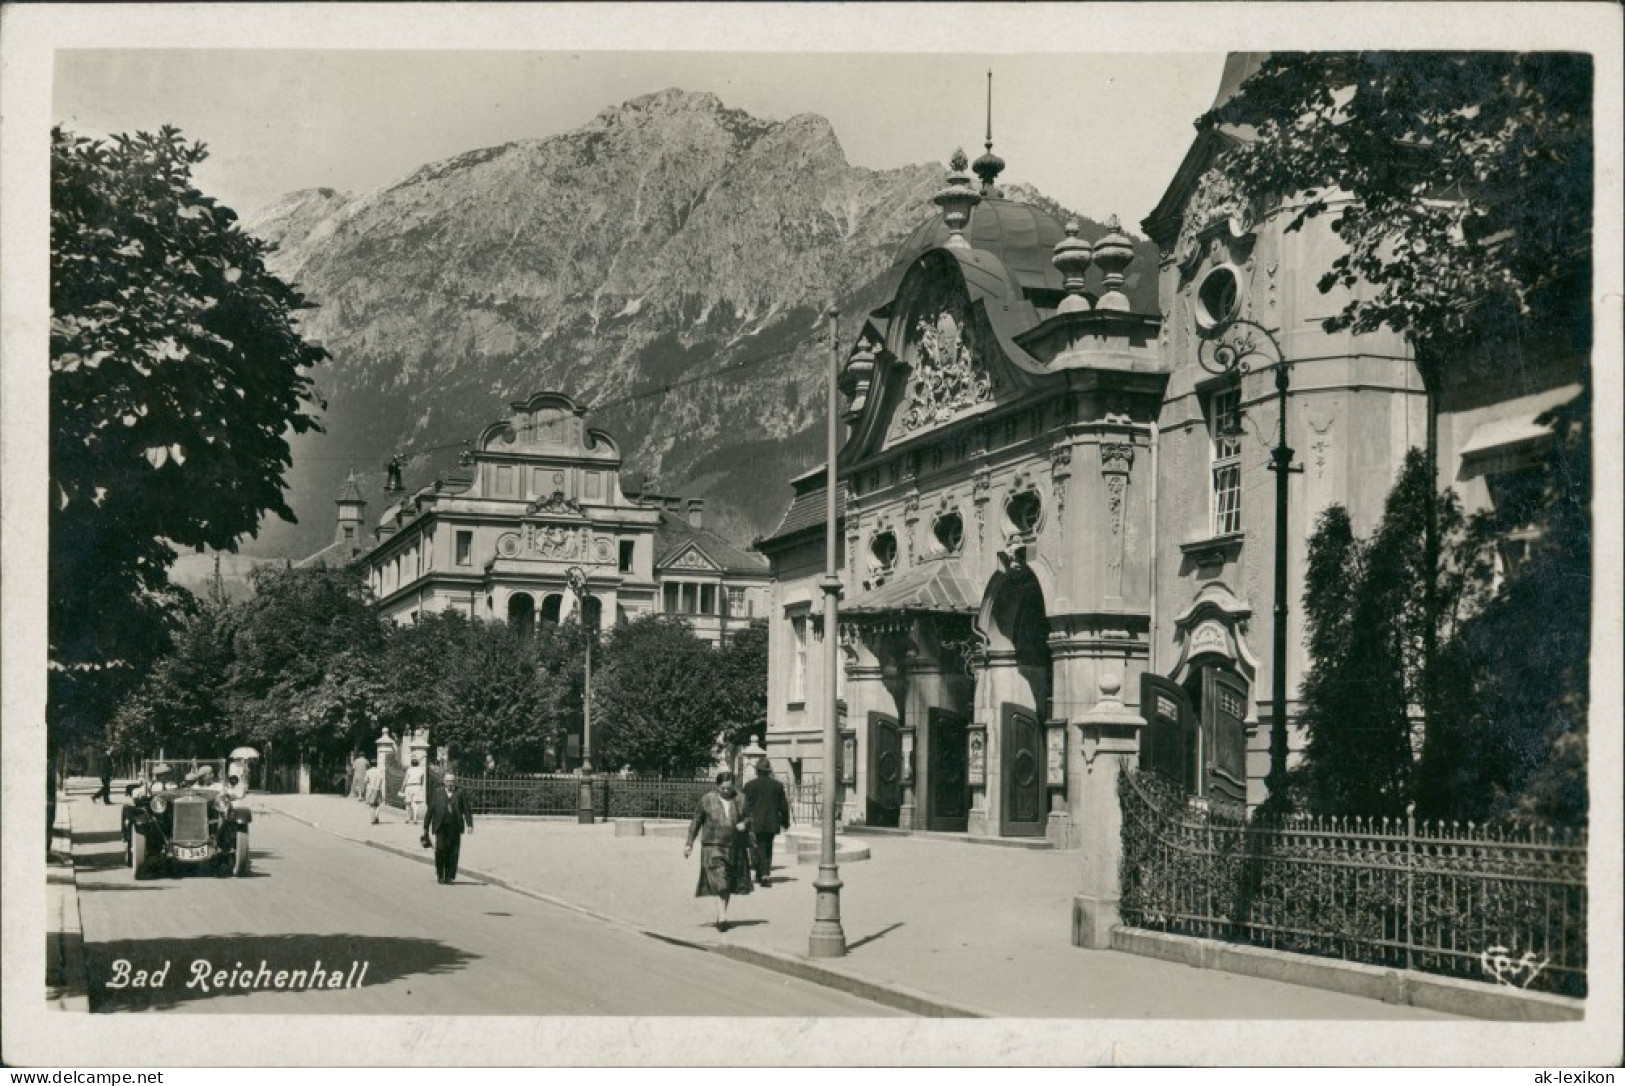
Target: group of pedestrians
736, 832
438, 803
736, 828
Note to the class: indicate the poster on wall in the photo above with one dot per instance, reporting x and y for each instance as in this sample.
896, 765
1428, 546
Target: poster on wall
976, 758
849, 758
1055, 763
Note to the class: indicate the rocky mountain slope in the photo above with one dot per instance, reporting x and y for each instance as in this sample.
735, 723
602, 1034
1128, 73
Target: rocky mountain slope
669, 239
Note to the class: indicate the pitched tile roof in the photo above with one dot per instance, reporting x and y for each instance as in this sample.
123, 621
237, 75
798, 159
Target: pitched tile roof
675, 534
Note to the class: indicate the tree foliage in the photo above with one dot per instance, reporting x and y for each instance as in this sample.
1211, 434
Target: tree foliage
177, 373
741, 667
655, 704
1460, 184
1363, 602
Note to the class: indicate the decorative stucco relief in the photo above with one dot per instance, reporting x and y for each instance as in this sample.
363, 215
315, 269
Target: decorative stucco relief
1215, 200
1060, 461
948, 377
1321, 426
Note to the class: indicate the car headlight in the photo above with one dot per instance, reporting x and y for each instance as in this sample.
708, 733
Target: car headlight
159, 804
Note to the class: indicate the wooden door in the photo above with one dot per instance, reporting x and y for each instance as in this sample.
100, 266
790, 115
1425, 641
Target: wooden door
947, 792
885, 776
1224, 733
1167, 742
1021, 772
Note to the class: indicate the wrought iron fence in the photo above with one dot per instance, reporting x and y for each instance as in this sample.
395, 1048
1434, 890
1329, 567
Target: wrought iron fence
1494, 903
806, 800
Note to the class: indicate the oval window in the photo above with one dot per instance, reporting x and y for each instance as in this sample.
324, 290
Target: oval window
1218, 297
884, 549
949, 531
1024, 510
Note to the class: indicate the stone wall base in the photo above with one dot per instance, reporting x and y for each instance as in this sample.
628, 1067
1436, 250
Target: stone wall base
1446, 994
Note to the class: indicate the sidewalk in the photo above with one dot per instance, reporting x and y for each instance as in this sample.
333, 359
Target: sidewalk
936, 927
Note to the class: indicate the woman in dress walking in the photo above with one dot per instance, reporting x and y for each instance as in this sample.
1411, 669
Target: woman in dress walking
721, 826
412, 789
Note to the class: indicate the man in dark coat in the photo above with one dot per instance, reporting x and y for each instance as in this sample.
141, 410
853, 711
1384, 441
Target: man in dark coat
448, 817
106, 794
769, 811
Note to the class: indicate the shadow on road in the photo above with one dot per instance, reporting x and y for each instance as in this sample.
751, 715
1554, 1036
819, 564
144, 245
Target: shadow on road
337, 957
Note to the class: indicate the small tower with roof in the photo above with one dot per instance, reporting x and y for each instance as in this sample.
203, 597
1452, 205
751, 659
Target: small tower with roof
352, 513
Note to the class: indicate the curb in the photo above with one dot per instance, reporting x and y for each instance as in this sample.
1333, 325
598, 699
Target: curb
1032, 844
66, 964
886, 994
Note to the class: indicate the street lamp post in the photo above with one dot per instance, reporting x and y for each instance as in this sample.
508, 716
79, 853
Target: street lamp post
827, 939
576, 578
1230, 348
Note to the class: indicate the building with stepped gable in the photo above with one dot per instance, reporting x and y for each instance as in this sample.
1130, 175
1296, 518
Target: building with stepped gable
537, 495
1057, 515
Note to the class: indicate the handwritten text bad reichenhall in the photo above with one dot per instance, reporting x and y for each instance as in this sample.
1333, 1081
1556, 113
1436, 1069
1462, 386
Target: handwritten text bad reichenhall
205, 976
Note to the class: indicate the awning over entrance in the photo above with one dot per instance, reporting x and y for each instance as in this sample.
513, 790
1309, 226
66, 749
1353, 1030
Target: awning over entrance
935, 588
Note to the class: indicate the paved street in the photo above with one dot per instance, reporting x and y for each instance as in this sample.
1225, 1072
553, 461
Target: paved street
982, 928
462, 949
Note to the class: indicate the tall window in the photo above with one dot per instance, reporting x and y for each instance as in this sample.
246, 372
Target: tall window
737, 604
628, 552
465, 548
1224, 434
798, 665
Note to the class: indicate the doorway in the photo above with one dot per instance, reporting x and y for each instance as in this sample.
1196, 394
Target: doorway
947, 794
885, 776
1021, 742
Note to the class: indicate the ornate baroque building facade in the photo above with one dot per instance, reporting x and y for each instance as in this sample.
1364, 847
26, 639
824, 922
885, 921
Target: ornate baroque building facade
539, 494
1057, 515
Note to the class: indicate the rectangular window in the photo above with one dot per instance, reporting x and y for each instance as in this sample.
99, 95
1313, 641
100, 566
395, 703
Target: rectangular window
708, 599
798, 664
628, 550
1224, 435
691, 599
349, 533
465, 548
672, 605
736, 602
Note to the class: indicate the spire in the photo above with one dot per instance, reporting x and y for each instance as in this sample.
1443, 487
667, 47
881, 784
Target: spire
351, 494
989, 165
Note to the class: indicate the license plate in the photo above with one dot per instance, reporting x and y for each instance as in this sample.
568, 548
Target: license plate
183, 852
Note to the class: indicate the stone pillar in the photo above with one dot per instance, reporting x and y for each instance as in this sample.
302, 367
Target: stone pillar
304, 776
1108, 742
386, 750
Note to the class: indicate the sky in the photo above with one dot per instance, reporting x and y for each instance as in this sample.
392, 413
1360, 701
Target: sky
1100, 133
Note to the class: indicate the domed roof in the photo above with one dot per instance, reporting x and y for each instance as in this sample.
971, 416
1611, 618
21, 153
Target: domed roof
1020, 235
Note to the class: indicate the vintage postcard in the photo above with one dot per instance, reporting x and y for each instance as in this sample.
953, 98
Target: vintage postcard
865, 535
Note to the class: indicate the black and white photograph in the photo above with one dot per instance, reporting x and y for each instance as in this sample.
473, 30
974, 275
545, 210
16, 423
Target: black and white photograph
838, 535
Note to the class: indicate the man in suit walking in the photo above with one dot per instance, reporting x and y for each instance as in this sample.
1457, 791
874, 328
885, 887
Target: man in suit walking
769, 811
448, 817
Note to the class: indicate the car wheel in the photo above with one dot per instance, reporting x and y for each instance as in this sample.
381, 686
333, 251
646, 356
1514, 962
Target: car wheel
239, 864
138, 854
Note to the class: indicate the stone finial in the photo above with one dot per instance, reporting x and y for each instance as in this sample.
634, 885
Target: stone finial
1072, 258
1109, 708
1113, 254
856, 379
956, 200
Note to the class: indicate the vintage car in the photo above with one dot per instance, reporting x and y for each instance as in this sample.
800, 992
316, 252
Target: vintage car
187, 812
